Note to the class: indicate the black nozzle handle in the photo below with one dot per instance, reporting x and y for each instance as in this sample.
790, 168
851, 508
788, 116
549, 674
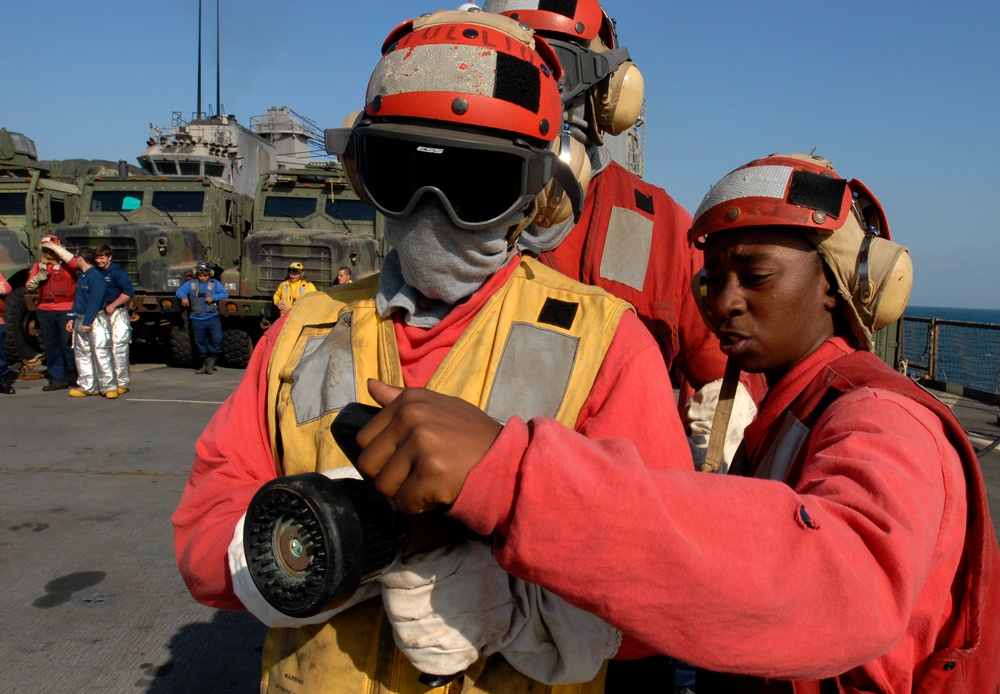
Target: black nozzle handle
435, 681
347, 424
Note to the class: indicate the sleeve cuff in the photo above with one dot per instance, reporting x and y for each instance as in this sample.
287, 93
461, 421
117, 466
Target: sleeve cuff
487, 497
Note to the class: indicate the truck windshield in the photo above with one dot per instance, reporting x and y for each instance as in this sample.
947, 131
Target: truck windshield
12, 204
115, 200
278, 206
179, 200
354, 210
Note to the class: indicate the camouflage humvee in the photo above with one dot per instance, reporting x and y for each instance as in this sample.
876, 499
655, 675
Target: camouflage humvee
32, 204
159, 228
306, 214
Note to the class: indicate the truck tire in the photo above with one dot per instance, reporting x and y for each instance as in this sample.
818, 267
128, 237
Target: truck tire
237, 346
19, 340
181, 345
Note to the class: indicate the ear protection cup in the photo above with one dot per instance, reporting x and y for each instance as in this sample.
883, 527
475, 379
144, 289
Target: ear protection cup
699, 290
618, 100
554, 204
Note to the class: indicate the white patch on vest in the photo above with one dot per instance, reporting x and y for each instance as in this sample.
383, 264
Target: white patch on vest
323, 381
625, 257
458, 69
754, 182
534, 373
784, 450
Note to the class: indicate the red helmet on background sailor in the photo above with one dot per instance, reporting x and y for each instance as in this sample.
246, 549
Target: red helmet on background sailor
841, 218
602, 89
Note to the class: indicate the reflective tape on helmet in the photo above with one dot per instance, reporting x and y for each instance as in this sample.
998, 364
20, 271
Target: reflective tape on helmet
752, 182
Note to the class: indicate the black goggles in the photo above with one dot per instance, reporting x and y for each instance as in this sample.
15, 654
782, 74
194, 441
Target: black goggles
583, 68
479, 179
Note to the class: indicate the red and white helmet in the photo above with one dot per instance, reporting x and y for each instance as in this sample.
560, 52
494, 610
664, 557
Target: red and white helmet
464, 106
599, 74
841, 218
469, 69
580, 20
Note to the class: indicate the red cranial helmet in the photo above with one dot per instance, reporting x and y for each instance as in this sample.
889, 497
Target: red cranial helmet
841, 218
463, 106
579, 20
600, 78
468, 69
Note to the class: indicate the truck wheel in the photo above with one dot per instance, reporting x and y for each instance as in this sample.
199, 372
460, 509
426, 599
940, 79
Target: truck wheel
181, 345
20, 341
237, 346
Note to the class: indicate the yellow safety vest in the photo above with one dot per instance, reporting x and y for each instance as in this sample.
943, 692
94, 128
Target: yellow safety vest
290, 292
534, 349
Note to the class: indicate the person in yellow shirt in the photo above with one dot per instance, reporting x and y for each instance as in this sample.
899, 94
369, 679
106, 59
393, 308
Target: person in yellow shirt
293, 288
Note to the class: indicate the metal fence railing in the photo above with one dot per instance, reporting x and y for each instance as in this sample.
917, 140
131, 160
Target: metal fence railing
954, 352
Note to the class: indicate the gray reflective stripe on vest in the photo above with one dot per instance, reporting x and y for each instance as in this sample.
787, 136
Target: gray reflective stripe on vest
323, 381
784, 451
625, 257
534, 373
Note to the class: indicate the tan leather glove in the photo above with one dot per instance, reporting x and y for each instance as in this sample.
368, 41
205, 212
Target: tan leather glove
32, 284
446, 605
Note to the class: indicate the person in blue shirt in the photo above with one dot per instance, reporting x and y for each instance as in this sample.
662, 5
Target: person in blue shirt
89, 326
119, 291
202, 295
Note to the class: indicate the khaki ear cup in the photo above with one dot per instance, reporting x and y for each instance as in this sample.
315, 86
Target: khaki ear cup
553, 204
699, 289
618, 100
891, 273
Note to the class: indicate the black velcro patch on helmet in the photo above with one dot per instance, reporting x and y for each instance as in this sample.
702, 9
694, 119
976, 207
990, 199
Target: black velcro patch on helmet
558, 313
817, 192
518, 82
644, 202
567, 8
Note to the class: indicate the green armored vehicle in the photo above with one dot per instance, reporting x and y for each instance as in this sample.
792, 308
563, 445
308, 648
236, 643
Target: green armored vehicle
158, 229
32, 204
306, 214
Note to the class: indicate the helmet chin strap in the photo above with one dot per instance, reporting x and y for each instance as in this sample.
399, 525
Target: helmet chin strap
515, 231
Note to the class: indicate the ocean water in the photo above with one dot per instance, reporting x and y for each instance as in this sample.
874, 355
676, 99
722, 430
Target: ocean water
973, 315
967, 355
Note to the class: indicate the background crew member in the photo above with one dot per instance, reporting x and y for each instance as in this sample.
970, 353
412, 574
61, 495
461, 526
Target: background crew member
120, 291
89, 326
202, 294
54, 278
631, 239
293, 288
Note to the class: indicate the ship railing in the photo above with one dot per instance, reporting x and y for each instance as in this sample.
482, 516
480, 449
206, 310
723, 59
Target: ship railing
959, 354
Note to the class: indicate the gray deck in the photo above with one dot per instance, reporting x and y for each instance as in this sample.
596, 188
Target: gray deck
91, 597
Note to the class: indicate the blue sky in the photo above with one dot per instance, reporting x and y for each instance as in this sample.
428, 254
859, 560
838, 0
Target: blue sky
902, 96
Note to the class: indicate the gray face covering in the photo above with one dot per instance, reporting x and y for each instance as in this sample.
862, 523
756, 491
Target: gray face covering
437, 259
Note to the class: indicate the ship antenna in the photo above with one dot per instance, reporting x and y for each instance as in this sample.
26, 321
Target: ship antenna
199, 61
218, 66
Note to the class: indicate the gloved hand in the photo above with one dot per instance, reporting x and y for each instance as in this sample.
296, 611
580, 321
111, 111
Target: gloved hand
446, 605
32, 284
554, 642
699, 411
61, 252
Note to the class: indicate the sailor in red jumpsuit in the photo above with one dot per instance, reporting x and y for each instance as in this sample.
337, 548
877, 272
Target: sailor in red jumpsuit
850, 548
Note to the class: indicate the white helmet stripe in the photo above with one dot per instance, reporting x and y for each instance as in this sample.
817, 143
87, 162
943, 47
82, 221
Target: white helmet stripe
753, 182
452, 68
509, 5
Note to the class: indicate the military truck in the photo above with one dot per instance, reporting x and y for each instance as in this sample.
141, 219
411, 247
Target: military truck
306, 214
159, 228
32, 204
